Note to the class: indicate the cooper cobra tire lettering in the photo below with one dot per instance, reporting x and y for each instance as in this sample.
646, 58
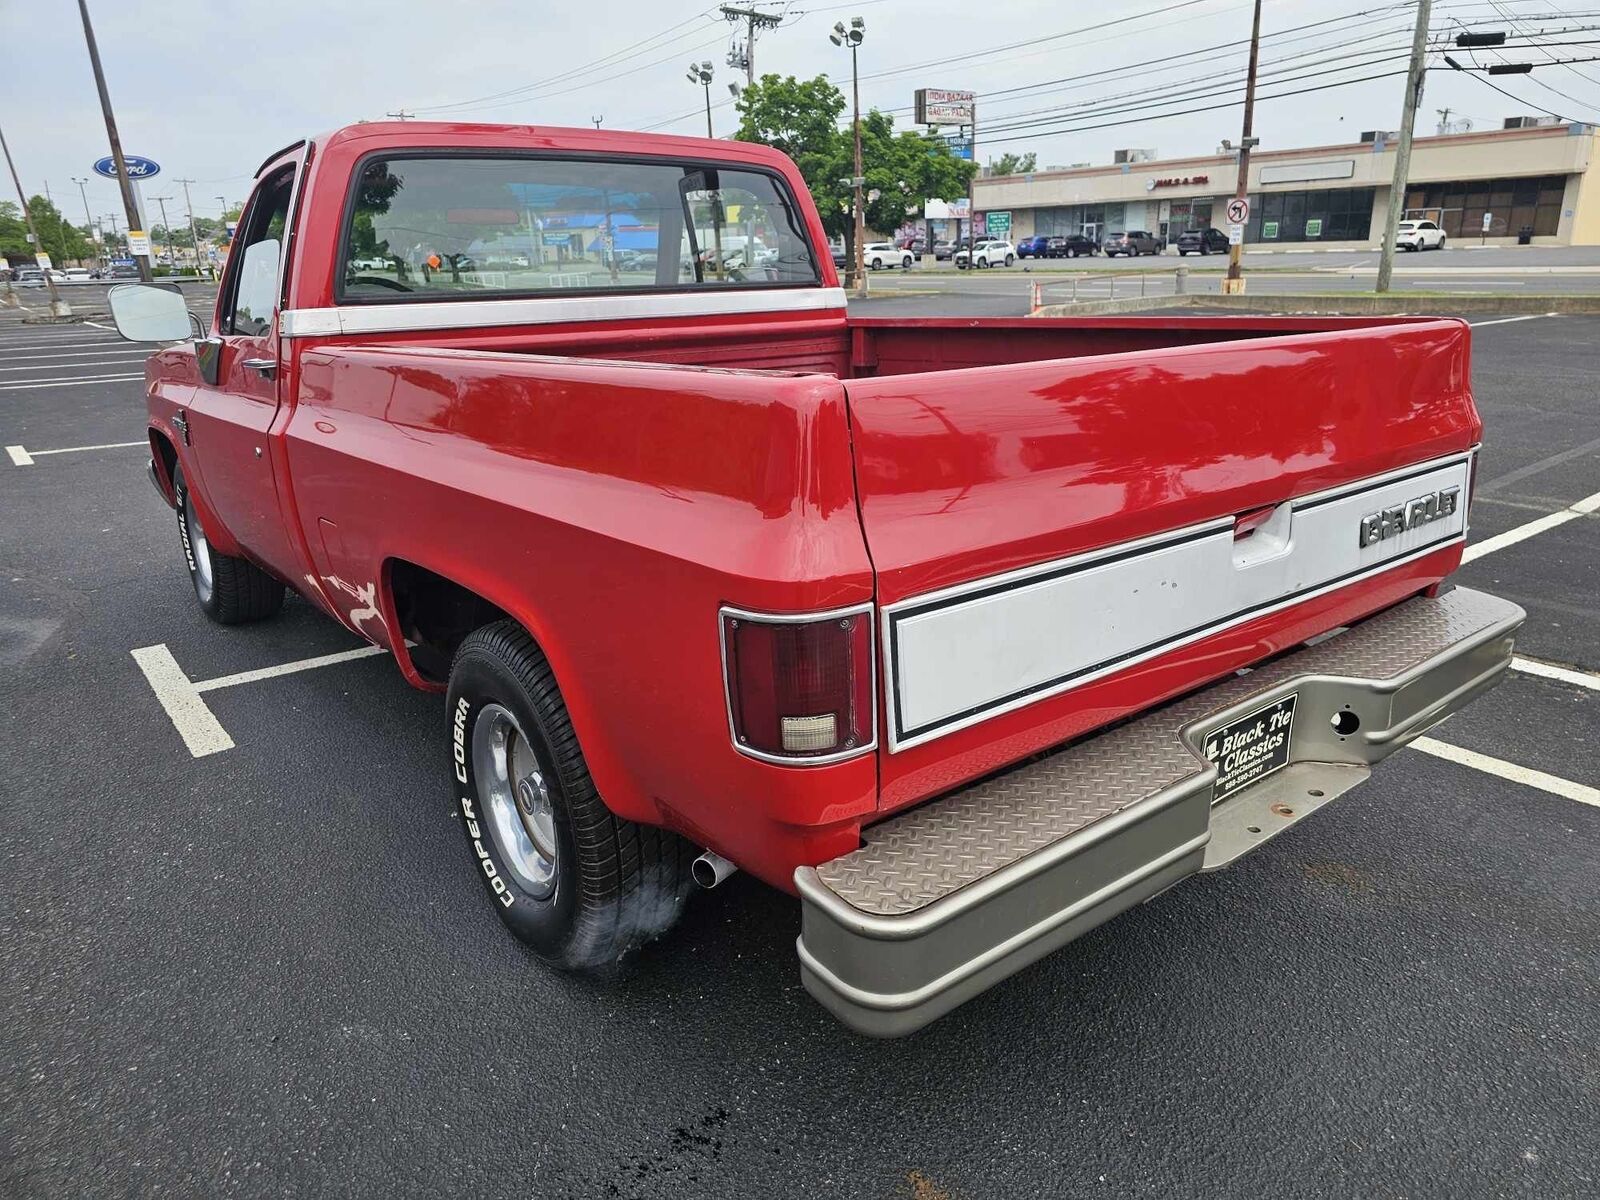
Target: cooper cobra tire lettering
459, 734
183, 530
491, 872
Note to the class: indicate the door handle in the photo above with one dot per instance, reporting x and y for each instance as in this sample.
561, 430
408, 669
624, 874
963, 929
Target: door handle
267, 368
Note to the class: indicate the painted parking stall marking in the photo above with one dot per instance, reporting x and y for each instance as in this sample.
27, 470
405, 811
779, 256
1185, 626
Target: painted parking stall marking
1580, 508
180, 696
1554, 784
22, 457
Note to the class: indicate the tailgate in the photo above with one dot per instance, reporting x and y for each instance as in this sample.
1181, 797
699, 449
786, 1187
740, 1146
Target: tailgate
1059, 544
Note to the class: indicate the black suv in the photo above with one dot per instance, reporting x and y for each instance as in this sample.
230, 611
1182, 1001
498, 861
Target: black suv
1202, 241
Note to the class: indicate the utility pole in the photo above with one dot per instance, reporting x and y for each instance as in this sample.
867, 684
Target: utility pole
193, 235
754, 19
1233, 285
61, 222
851, 37
129, 205
58, 306
172, 260
1415, 74
972, 196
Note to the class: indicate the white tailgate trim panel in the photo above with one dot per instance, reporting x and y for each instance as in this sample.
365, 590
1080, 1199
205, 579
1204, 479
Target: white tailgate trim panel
551, 310
968, 653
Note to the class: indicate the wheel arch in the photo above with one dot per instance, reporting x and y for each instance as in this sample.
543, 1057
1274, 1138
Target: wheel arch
419, 599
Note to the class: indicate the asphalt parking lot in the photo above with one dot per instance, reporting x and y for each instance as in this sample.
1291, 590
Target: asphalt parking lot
269, 970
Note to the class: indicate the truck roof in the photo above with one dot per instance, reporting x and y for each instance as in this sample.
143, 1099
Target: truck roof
379, 135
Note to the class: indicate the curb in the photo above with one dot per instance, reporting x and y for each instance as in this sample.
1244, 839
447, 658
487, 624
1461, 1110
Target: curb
1340, 305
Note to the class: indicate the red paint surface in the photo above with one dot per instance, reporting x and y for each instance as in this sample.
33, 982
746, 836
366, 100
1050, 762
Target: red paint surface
595, 481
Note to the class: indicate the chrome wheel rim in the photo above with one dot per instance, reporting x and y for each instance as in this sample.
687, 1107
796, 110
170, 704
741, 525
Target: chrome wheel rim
514, 796
199, 548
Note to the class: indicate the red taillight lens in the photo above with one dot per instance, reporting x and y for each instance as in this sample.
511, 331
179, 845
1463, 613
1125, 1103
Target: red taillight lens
800, 690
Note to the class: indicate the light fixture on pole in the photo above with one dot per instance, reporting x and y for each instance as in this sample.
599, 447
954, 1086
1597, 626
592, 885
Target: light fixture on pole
850, 37
700, 73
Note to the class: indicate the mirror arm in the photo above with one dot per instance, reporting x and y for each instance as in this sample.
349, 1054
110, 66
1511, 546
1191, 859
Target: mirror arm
196, 327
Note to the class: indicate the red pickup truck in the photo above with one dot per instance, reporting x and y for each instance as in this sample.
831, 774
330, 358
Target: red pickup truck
973, 633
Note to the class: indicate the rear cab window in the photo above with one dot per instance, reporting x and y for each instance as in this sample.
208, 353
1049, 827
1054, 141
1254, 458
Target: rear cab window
460, 227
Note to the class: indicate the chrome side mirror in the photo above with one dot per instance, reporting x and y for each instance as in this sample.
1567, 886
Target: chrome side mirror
149, 312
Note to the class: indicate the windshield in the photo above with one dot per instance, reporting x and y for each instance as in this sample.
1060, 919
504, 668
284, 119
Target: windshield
459, 226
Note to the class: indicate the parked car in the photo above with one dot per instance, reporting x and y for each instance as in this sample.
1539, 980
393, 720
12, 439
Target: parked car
913, 244
77, 275
940, 624
1419, 235
943, 250
1132, 243
990, 252
123, 271
878, 255
1077, 245
1037, 246
28, 277
1208, 240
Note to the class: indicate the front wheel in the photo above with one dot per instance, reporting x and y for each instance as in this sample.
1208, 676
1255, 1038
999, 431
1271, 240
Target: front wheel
231, 591
576, 884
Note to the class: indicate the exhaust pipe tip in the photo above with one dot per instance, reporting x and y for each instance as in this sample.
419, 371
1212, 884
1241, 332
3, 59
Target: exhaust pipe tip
711, 869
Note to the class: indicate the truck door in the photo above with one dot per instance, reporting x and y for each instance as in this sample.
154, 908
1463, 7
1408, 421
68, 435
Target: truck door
235, 405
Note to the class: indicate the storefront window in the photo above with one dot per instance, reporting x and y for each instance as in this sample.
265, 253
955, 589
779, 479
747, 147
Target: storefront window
1325, 215
1511, 204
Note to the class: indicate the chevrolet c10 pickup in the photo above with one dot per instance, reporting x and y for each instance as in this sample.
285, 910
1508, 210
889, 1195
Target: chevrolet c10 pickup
972, 633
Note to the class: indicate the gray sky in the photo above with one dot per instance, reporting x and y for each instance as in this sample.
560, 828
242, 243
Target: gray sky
208, 88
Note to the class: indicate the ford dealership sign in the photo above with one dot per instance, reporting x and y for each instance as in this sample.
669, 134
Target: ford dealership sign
138, 168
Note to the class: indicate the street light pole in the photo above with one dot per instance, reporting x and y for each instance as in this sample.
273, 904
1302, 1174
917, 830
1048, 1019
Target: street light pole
852, 36
130, 206
1234, 284
701, 73
1415, 74
89, 219
58, 306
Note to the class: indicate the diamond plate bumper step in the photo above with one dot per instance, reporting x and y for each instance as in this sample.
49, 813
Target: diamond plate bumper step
945, 900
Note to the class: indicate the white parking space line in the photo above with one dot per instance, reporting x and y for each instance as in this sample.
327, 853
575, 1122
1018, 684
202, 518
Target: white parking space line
74, 382
24, 458
124, 363
1532, 666
1527, 776
1511, 537
113, 348
80, 342
1509, 320
305, 664
196, 724
180, 695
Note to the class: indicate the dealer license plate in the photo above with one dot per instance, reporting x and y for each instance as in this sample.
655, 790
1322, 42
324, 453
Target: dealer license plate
1250, 748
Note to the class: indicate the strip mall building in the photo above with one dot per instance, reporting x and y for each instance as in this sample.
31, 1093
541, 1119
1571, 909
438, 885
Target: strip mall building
1536, 177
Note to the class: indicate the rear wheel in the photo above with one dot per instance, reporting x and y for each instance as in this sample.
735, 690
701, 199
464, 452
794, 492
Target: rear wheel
231, 591
1010, 259
576, 884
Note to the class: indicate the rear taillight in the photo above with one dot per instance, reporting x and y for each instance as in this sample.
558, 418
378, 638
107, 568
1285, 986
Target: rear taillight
800, 688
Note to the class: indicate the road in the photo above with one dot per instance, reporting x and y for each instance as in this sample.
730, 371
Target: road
269, 971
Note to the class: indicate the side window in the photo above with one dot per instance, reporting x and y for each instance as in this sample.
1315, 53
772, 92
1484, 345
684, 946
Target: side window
259, 249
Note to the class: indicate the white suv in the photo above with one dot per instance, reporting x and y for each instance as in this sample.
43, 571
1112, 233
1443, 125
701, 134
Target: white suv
989, 252
878, 255
1419, 235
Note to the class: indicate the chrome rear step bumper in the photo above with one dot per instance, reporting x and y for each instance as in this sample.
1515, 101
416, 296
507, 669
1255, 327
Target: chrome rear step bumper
949, 898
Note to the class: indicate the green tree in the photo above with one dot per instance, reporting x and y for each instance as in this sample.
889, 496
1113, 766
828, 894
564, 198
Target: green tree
803, 119
1013, 164
13, 233
64, 242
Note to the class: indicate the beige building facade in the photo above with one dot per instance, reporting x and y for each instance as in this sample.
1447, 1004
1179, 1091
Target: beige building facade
1543, 181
